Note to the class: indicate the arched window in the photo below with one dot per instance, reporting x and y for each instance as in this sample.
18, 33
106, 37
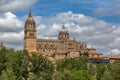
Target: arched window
45, 46
40, 46
31, 34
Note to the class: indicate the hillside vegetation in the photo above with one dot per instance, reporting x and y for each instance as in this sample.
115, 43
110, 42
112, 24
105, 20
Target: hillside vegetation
17, 65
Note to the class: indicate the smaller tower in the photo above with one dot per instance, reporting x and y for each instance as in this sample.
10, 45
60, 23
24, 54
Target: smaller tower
30, 34
63, 34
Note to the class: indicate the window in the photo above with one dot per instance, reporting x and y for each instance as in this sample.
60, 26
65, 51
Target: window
40, 46
51, 46
70, 44
31, 34
98, 55
45, 46
43, 50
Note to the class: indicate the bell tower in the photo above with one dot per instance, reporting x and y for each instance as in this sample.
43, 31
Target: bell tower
30, 34
63, 34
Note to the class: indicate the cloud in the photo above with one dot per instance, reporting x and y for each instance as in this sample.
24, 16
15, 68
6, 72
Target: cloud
114, 52
12, 40
13, 5
10, 23
11, 30
96, 33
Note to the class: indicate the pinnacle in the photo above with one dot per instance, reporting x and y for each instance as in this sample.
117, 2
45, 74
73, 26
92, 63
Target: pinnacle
30, 14
63, 27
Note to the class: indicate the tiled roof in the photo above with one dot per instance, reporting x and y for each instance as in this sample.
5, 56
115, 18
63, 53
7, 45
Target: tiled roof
114, 57
98, 58
104, 58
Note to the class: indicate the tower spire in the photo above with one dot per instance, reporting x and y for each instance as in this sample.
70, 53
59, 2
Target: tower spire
30, 14
63, 34
74, 39
63, 27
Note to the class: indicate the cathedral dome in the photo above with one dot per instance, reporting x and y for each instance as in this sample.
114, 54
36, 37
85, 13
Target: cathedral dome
63, 29
63, 34
30, 23
30, 19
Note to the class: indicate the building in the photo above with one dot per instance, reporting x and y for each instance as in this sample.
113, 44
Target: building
92, 53
60, 48
97, 60
113, 58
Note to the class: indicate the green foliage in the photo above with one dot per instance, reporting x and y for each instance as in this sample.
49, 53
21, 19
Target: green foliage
7, 75
57, 75
100, 71
17, 65
92, 68
115, 70
3, 59
73, 75
81, 75
107, 76
20, 65
41, 66
72, 63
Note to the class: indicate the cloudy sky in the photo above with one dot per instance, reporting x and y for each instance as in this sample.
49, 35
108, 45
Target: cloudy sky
94, 22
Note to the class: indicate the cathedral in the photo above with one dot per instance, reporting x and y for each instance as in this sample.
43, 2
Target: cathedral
60, 48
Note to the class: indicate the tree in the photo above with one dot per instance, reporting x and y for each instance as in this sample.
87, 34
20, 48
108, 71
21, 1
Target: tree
71, 63
13, 63
100, 70
41, 67
115, 70
7, 75
19, 62
3, 59
81, 75
107, 76
92, 68
57, 75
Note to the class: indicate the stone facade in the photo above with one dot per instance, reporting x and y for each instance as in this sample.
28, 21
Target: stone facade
30, 34
60, 48
92, 53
